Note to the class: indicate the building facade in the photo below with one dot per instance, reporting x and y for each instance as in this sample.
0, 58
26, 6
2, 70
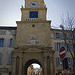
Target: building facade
32, 41
7, 43
57, 41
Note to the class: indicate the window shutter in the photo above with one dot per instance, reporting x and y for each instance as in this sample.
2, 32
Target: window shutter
62, 44
65, 46
0, 58
9, 59
71, 62
58, 46
4, 42
67, 35
72, 47
13, 31
58, 62
3, 32
61, 62
13, 42
61, 36
0, 42
54, 34
70, 36
68, 46
55, 46
8, 42
68, 59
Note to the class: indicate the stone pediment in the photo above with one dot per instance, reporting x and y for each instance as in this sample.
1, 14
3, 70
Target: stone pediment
32, 48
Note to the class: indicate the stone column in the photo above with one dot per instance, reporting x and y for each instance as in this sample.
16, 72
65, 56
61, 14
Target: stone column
48, 66
52, 66
20, 66
45, 65
14, 66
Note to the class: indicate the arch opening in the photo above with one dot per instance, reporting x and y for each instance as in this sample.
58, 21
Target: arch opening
33, 67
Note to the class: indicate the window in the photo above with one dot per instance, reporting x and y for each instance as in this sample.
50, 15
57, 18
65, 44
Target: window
10, 59
58, 45
70, 62
3, 32
69, 36
8, 42
12, 41
58, 62
1, 42
13, 31
58, 35
0, 58
70, 47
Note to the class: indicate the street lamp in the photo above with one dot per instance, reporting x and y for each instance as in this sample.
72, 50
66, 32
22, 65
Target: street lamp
61, 26
64, 35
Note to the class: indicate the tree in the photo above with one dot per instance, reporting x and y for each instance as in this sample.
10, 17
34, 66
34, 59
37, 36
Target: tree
68, 23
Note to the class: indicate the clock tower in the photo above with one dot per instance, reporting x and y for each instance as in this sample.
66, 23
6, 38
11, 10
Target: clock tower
33, 23
34, 9
33, 43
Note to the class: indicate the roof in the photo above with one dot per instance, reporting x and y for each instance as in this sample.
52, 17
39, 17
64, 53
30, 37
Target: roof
62, 30
8, 28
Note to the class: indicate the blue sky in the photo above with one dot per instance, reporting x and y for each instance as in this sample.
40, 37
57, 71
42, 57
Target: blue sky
10, 11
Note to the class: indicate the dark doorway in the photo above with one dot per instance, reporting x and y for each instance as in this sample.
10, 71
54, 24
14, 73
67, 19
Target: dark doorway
9, 73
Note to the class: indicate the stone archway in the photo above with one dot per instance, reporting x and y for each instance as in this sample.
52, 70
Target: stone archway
29, 63
27, 55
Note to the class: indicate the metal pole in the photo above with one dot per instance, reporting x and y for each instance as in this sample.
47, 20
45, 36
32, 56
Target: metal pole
74, 57
73, 52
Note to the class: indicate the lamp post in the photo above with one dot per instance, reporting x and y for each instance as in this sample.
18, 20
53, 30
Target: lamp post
73, 57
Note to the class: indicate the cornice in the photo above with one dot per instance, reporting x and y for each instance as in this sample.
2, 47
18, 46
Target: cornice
34, 21
33, 48
33, 8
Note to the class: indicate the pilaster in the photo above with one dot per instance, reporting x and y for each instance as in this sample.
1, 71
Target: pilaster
48, 66
20, 66
52, 65
45, 65
14, 66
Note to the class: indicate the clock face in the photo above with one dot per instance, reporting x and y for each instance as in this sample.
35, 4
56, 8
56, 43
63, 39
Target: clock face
33, 4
